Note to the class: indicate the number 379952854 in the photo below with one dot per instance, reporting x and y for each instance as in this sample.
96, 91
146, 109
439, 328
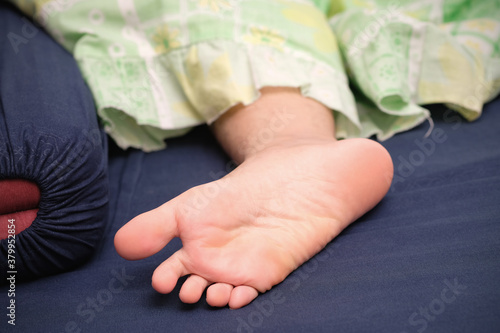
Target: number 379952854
11, 260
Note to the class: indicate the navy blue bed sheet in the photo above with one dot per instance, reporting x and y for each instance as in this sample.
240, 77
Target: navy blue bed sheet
426, 259
50, 135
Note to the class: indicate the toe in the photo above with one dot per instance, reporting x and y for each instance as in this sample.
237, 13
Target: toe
192, 289
218, 294
241, 296
147, 233
166, 275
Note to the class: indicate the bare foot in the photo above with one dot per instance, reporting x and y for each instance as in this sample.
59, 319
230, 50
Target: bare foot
279, 208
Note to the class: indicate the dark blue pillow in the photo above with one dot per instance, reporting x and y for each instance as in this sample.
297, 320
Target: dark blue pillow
49, 134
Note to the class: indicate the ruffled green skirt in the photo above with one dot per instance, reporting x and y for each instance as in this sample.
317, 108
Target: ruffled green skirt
158, 68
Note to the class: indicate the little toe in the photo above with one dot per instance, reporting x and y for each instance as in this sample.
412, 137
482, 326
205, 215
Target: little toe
241, 296
218, 294
192, 289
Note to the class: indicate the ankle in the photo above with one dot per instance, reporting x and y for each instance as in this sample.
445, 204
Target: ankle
281, 116
281, 143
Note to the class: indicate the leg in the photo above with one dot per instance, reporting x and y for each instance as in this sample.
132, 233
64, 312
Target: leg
296, 188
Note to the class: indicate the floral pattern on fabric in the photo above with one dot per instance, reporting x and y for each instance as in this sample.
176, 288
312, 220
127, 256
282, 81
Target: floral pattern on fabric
158, 68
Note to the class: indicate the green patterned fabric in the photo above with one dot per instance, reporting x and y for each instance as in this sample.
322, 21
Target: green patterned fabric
159, 67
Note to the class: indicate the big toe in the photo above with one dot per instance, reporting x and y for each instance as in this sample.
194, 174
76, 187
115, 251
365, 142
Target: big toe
147, 233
